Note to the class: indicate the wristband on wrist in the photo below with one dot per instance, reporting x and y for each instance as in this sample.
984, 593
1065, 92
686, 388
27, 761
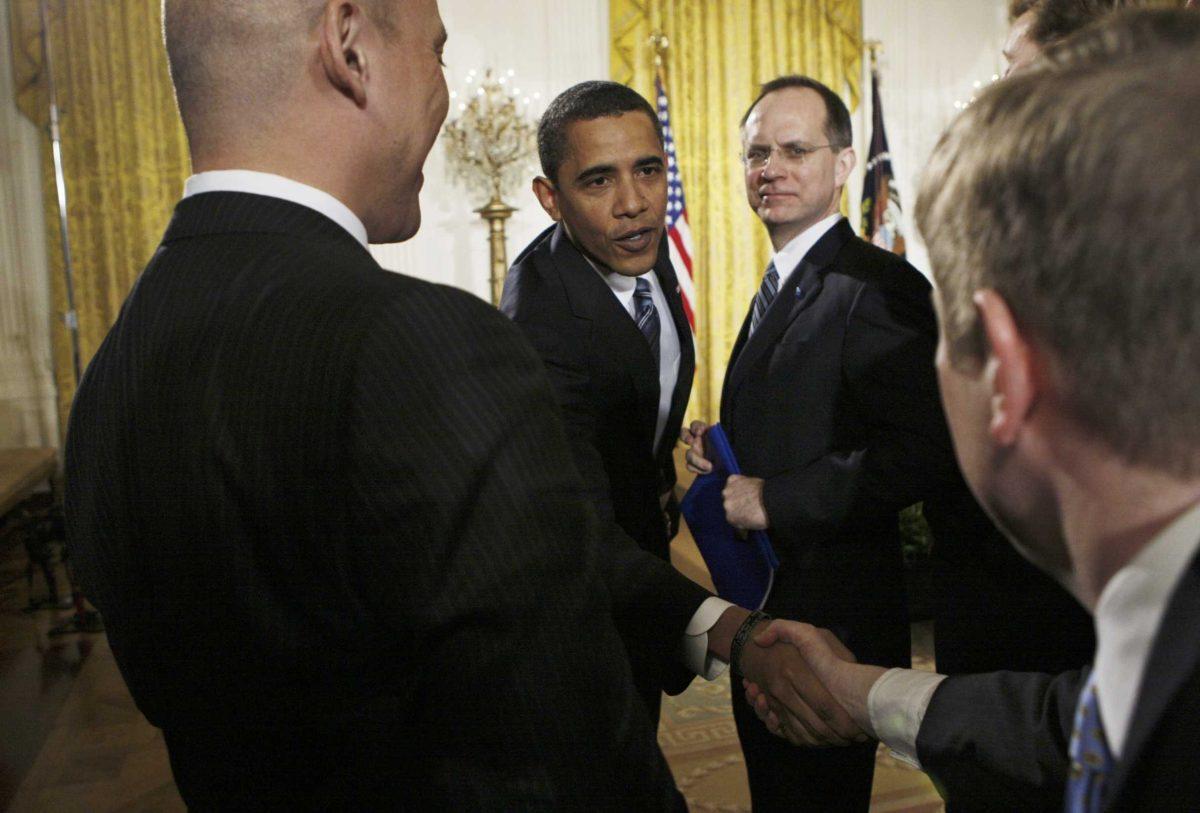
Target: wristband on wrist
742, 636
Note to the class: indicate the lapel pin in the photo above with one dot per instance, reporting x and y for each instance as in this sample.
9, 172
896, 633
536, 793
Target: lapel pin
799, 292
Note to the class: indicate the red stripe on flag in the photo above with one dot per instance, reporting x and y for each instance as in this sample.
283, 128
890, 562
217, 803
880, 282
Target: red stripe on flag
682, 249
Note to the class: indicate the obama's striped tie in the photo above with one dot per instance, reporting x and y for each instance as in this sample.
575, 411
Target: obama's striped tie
646, 315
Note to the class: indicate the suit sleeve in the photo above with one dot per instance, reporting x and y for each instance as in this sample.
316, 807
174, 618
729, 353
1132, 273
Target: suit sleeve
478, 559
889, 378
652, 602
565, 360
998, 742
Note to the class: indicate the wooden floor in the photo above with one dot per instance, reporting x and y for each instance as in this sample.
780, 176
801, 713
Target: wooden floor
71, 738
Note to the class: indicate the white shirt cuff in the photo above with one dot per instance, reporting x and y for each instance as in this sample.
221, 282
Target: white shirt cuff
695, 640
897, 704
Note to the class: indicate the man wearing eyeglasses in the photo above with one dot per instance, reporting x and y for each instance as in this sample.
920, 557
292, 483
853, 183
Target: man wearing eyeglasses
831, 404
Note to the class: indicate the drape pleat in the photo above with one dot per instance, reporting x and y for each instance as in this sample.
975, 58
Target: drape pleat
124, 152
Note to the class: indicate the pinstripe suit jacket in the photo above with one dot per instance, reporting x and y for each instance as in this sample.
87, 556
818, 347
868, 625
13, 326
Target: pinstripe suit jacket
332, 522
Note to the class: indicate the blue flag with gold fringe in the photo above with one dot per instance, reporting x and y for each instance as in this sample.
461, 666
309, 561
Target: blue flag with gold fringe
882, 218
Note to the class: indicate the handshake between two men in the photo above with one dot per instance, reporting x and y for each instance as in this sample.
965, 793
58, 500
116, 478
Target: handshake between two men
845, 686
790, 673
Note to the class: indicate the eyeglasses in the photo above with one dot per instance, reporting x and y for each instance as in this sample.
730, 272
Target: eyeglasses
757, 157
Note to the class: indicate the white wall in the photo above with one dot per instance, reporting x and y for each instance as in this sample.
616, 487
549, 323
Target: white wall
27, 411
933, 53
550, 45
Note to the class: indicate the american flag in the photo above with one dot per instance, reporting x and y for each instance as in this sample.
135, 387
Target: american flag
679, 233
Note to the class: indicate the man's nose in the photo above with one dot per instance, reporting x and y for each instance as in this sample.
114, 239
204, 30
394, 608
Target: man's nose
630, 200
772, 169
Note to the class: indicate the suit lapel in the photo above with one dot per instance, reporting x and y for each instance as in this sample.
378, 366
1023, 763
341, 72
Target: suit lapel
591, 298
1174, 657
687, 351
798, 290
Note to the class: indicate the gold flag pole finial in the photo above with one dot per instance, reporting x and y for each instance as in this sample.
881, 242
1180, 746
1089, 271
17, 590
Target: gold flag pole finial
659, 42
874, 48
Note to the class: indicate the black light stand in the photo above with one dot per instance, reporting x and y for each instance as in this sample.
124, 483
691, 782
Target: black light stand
83, 619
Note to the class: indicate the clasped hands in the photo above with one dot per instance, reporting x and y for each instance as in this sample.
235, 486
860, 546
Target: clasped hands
818, 695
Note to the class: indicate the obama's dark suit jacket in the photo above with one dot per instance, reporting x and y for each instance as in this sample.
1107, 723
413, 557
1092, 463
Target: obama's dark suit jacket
607, 385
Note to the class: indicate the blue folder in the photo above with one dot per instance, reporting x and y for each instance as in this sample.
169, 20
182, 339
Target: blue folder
742, 565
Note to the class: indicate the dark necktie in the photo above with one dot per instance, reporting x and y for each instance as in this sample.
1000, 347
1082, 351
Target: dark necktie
766, 293
646, 316
1091, 761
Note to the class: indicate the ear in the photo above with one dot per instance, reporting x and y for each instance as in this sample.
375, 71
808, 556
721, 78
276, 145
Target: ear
342, 54
1010, 368
846, 161
547, 195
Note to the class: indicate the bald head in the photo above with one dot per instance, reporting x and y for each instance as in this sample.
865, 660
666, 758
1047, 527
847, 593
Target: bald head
346, 96
229, 59
233, 61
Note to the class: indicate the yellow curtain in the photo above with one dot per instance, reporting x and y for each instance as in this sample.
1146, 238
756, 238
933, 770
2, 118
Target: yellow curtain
720, 52
124, 153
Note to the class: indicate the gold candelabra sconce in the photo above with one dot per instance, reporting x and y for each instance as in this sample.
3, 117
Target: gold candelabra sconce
489, 148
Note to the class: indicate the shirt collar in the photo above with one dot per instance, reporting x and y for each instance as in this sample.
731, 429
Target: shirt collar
622, 284
276, 186
1128, 616
789, 257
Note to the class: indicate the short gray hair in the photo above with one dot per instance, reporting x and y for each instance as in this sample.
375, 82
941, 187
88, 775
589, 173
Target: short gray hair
232, 58
1073, 191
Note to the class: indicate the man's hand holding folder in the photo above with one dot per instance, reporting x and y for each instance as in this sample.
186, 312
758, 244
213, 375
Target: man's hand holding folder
725, 513
743, 500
